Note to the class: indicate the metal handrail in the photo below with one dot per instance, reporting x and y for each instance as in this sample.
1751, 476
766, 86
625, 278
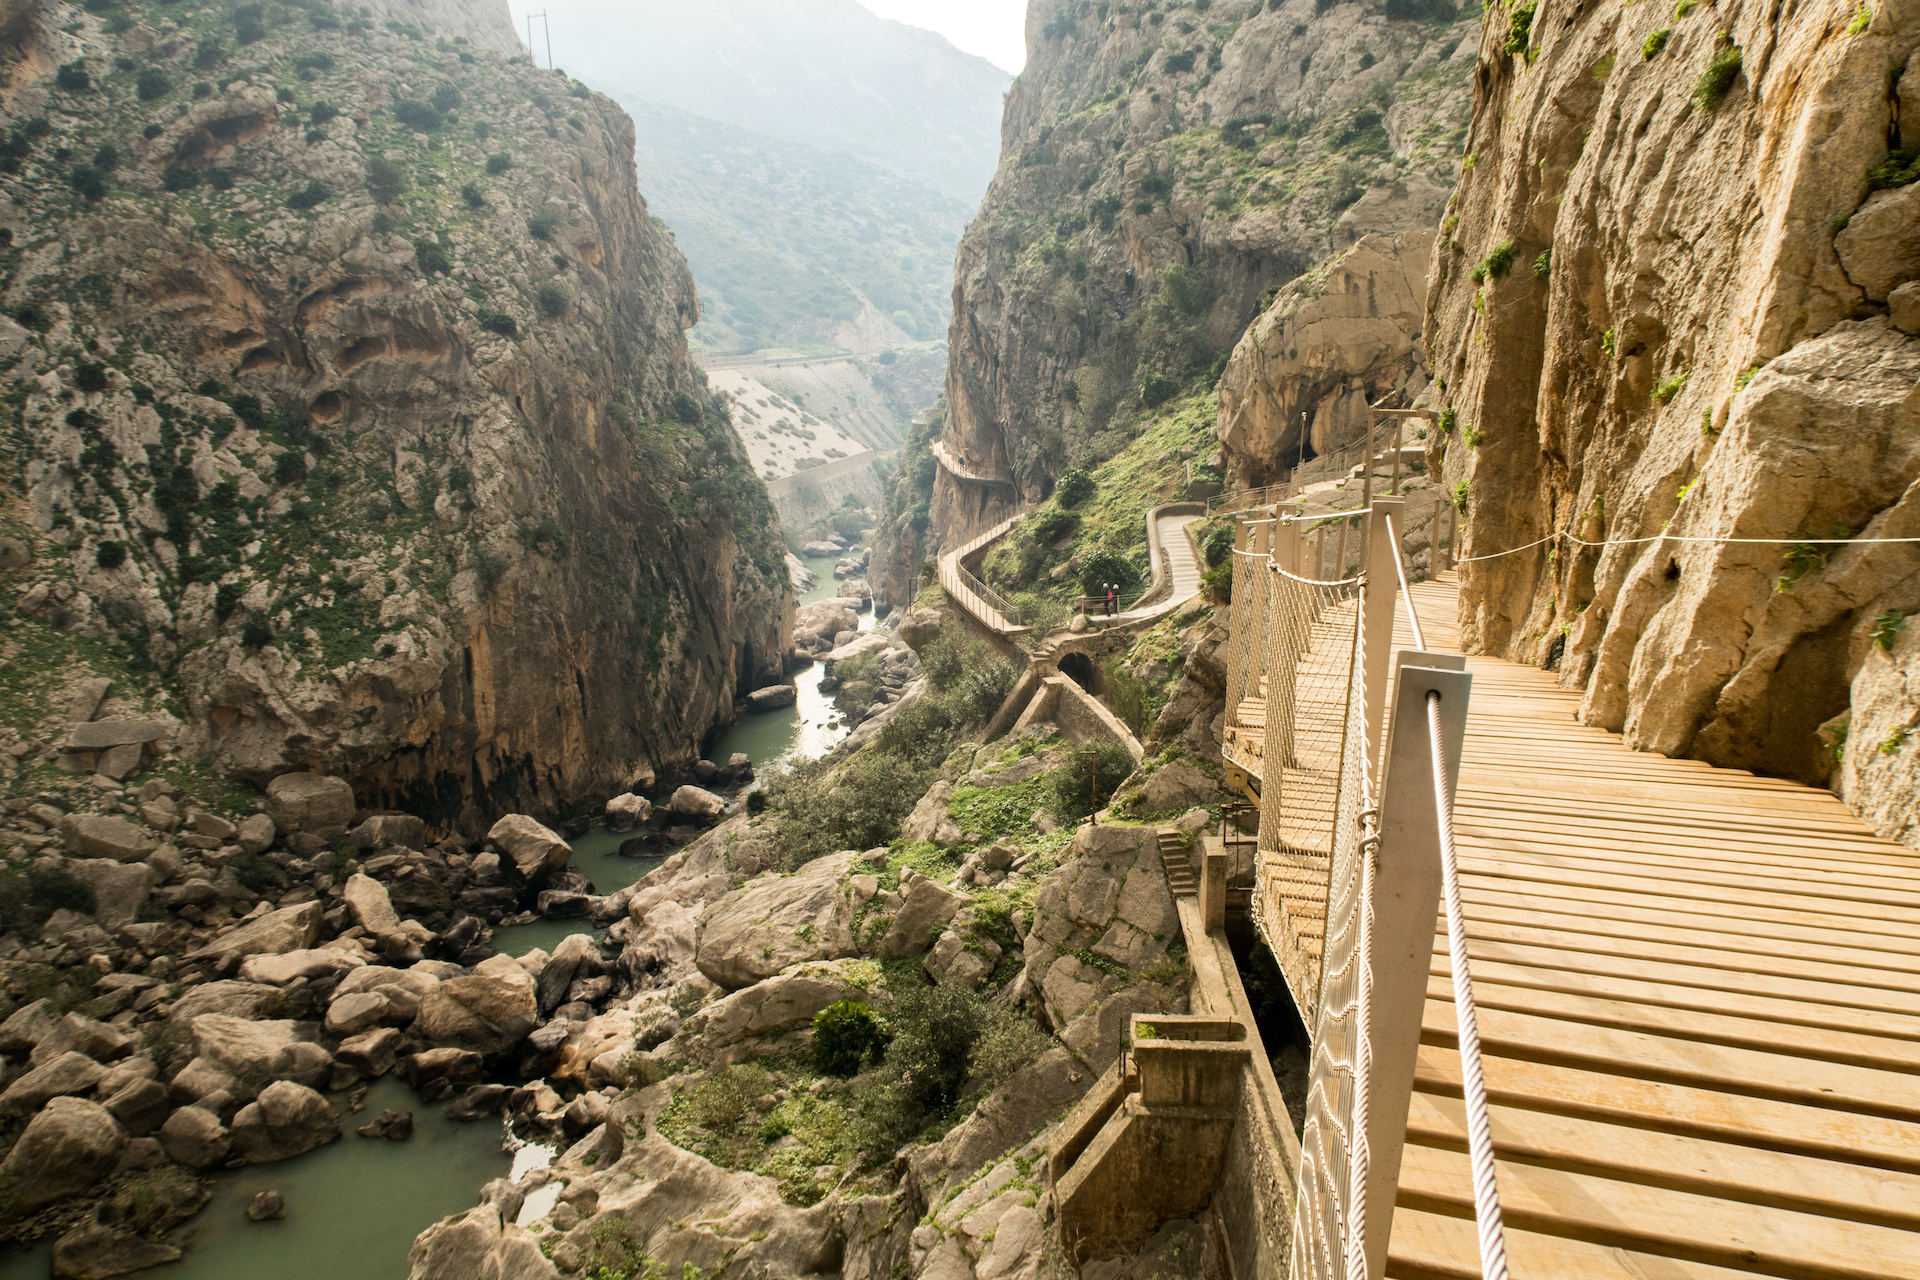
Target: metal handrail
1247, 499
999, 603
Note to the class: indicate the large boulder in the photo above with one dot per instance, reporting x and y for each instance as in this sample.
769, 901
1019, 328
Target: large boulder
1880, 246
625, 812
371, 906
929, 820
68, 1073
288, 929
536, 852
311, 963
120, 889
257, 833
256, 1052
311, 803
695, 802
194, 1137
102, 836
557, 974
920, 628
776, 922
81, 1034
236, 999
404, 989
287, 1120
67, 1148
489, 1012
93, 1251
772, 698
783, 1002
925, 907
1180, 784
385, 830
27, 1027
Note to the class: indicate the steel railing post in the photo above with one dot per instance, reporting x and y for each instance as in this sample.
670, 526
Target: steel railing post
1377, 616
1406, 901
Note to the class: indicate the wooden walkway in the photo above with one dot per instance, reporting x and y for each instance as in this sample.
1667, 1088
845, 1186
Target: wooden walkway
1699, 998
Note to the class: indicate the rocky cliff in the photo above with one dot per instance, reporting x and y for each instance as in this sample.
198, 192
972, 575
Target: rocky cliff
348, 389
1672, 316
1164, 169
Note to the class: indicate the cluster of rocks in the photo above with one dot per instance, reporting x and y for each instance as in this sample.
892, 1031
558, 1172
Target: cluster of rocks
824, 625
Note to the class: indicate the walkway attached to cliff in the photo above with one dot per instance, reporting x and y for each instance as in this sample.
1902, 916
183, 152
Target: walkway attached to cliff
968, 470
992, 610
1698, 995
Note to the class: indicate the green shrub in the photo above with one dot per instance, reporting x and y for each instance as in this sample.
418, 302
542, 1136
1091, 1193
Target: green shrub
29, 896
178, 179
499, 162
1667, 388
1127, 697
1897, 170
322, 112
1218, 547
1887, 628
1074, 786
89, 182
417, 115
290, 467
386, 179
499, 322
314, 193
846, 1037
541, 226
73, 77
432, 257
152, 83
110, 555
256, 634
1497, 263
309, 65
1543, 265
553, 300
90, 376
152, 131
1074, 487
1650, 47
1520, 28
475, 198
1104, 567
1178, 63
249, 24
1722, 70
446, 98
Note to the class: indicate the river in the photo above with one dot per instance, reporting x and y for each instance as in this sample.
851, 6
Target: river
355, 1206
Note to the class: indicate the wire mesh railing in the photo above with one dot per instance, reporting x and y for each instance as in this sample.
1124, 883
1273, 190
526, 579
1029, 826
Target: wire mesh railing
1345, 855
988, 596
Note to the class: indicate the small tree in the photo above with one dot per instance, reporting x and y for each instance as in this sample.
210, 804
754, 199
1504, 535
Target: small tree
553, 300
152, 83
386, 179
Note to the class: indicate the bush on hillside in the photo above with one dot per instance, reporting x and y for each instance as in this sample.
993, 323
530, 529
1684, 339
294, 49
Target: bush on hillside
1101, 768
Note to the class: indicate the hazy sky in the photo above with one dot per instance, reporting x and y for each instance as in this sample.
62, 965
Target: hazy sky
993, 29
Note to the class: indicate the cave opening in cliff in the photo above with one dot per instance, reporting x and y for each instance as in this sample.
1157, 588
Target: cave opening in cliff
1079, 668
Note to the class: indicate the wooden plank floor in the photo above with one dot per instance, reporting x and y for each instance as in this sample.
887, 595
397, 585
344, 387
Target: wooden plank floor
1699, 997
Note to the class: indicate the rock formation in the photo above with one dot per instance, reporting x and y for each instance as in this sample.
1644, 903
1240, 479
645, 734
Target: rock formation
353, 396
1666, 314
1163, 173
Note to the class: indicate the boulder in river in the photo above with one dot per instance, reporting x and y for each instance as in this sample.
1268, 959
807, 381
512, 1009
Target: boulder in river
394, 1126
286, 1120
194, 1137
625, 812
535, 850
267, 1206
772, 698
695, 802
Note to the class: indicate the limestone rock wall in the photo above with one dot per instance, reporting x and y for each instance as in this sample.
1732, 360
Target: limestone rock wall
1665, 307
1340, 338
351, 389
1161, 171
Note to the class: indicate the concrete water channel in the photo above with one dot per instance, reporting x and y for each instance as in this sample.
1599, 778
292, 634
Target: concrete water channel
355, 1206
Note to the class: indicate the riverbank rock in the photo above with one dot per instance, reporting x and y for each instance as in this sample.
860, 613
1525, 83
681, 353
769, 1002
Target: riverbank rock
925, 907
309, 963
489, 1012
929, 820
68, 1073
919, 628
67, 1148
194, 1137
288, 929
536, 851
95, 1252
286, 1120
255, 1052
311, 803
776, 922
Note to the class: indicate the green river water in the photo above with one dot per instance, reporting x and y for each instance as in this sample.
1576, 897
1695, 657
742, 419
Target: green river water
355, 1206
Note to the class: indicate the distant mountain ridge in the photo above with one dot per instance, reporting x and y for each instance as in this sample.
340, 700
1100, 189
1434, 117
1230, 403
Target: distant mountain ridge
827, 73
785, 240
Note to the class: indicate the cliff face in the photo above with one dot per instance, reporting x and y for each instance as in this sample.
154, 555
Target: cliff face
1162, 170
349, 388
1667, 312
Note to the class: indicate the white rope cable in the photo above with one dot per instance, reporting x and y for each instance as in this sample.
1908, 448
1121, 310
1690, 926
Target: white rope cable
1359, 1151
1486, 1191
1400, 568
1675, 537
